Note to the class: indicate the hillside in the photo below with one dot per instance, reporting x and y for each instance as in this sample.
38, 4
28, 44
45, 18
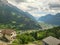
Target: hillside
12, 17
37, 37
51, 19
46, 26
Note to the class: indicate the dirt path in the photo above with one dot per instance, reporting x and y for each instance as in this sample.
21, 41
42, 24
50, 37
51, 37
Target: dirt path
3, 43
31, 44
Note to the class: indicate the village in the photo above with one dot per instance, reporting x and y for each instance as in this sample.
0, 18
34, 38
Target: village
7, 36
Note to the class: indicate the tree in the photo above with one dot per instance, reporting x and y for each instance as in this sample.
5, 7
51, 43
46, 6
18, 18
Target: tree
23, 39
41, 35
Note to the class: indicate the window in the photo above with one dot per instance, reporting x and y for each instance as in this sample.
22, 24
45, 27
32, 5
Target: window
11, 34
58, 44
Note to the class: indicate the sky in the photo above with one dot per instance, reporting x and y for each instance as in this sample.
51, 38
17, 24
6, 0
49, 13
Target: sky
37, 8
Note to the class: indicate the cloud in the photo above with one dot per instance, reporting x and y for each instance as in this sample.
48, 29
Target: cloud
38, 8
16, 1
54, 6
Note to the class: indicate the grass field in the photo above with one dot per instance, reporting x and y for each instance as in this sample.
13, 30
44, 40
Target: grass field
35, 43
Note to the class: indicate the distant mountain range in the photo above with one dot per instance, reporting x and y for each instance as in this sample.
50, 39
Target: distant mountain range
16, 18
51, 19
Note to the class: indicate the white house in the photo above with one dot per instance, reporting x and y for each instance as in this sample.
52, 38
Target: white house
9, 33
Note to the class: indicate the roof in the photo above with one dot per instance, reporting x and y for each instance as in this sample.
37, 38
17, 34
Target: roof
51, 40
7, 31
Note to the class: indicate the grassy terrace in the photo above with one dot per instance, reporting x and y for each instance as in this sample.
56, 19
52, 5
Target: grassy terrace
34, 37
32, 43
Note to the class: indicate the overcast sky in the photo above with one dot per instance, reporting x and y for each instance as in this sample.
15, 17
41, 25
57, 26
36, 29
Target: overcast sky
38, 8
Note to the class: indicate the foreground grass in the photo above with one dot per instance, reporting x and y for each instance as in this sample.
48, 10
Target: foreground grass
38, 42
30, 43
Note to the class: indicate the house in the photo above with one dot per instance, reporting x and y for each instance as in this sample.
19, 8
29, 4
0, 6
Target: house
9, 34
0, 33
51, 41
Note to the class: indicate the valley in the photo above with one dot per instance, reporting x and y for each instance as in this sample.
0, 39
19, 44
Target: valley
18, 27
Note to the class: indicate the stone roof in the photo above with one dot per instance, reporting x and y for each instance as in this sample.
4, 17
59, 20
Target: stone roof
7, 31
51, 41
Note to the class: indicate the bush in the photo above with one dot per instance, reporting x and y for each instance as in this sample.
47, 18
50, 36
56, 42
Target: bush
41, 35
24, 39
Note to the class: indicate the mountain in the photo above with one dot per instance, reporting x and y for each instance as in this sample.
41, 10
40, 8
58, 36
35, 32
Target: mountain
51, 19
16, 18
46, 25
